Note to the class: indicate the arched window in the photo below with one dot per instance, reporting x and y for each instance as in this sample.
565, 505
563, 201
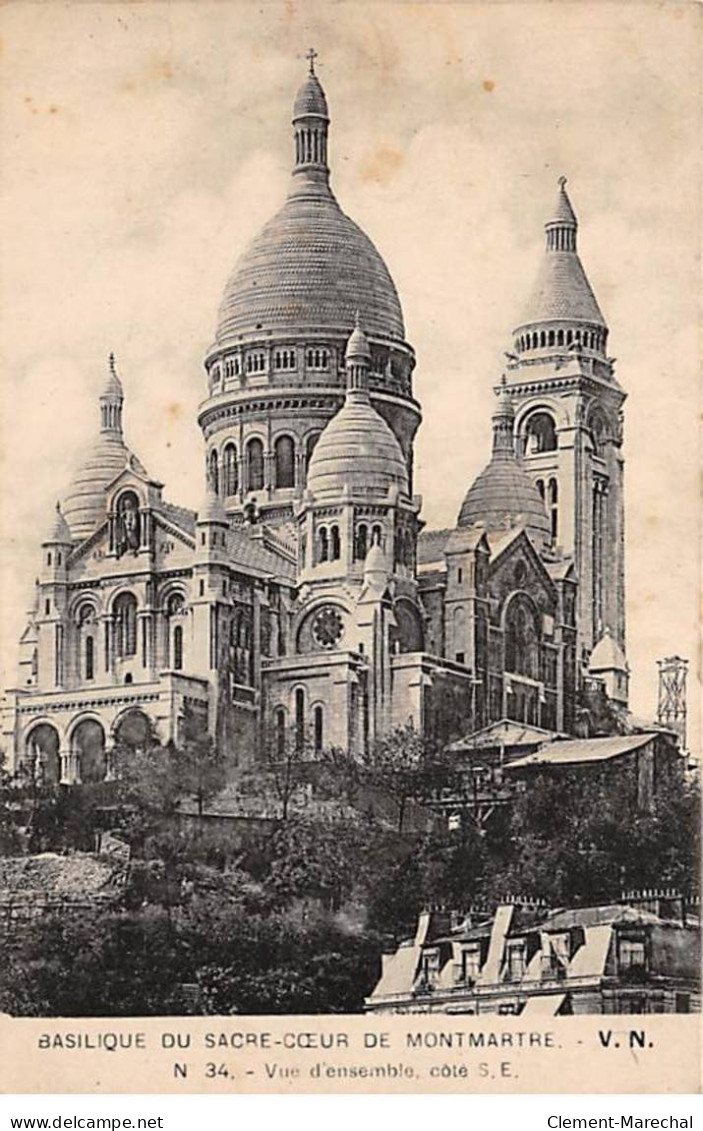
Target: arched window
361, 542
335, 548
540, 487
318, 723
255, 465
89, 657
542, 339
535, 341
560, 337
598, 427
377, 535
554, 507
284, 450
299, 718
88, 743
42, 755
569, 337
522, 638
323, 549
280, 726
230, 470
541, 433
551, 337
214, 471
310, 448
178, 647
125, 610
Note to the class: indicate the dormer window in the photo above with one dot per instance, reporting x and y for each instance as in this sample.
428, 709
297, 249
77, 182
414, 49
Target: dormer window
516, 960
470, 966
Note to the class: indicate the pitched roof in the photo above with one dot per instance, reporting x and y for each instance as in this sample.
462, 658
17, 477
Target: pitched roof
506, 732
250, 554
431, 544
179, 516
568, 917
579, 750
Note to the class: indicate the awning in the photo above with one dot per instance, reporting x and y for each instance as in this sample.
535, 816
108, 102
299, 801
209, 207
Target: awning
548, 1005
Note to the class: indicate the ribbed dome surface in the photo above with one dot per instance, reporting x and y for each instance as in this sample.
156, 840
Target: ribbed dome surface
502, 497
357, 451
562, 292
310, 267
84, 505
310, 99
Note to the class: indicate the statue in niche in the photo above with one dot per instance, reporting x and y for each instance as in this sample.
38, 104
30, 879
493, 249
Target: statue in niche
127, 525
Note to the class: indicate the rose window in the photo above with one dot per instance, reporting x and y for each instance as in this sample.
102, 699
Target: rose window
328, 627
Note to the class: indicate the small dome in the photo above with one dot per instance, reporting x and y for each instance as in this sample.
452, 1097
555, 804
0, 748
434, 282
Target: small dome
358, 347
310, 100
607, 655
357, 451
505, 409
376, 565
211, 508
59, 532
113, 386
503, 497
84, 505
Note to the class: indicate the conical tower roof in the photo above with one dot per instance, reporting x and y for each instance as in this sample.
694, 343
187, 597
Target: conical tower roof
607, 655
561, 292
58, 533
212, 508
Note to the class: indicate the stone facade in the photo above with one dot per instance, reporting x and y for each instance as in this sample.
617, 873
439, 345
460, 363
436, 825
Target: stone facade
304, 598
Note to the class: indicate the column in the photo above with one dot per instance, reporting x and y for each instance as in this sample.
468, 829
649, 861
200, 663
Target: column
110, 774
70, 765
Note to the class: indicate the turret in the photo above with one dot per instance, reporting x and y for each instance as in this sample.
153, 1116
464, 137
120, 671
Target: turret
608, 664
51, 603
562, 313
310, 127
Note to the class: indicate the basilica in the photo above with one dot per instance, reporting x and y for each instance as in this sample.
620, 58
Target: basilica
308, 599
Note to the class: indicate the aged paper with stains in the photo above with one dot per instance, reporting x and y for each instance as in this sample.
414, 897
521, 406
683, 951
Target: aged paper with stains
143, 146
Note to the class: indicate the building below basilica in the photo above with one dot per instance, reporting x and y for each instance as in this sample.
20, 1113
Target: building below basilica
525, 960
304, 601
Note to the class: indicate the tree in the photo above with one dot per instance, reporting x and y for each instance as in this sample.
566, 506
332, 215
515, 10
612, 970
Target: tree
404, 766
199, 763
287, 762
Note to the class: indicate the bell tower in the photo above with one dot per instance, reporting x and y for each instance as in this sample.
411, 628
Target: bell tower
569, 426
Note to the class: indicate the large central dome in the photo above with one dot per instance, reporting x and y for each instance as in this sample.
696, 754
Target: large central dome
310, 267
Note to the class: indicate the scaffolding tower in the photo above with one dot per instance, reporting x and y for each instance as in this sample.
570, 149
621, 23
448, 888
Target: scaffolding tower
671, 706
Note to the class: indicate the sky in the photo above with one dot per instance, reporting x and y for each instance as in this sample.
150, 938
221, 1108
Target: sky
145, 144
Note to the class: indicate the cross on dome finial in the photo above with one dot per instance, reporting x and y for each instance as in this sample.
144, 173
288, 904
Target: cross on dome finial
357, 319
111, 361
311, 56
562, 181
